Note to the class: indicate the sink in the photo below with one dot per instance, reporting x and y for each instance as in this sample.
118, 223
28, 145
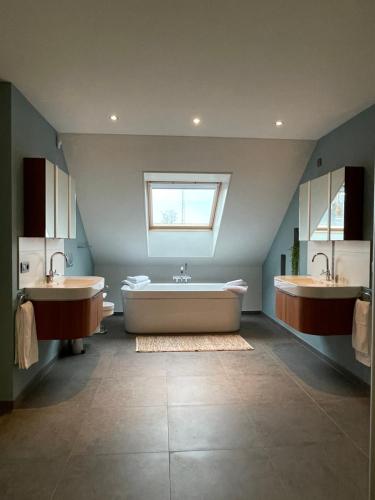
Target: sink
66, 288
310, 287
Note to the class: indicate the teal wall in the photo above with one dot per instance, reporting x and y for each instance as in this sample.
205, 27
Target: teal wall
29, 135
353, 143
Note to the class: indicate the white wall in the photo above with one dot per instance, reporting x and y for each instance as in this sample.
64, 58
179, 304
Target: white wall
109, 172
352, 260
37, 252
163, 273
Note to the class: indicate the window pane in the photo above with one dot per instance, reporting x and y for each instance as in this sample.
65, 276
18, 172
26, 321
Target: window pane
167, 206
182, 206
197, 205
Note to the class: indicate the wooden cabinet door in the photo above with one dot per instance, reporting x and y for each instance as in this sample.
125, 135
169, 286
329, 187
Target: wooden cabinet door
280, 305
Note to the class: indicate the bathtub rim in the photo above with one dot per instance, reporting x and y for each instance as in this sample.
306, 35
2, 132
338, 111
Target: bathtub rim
176, 294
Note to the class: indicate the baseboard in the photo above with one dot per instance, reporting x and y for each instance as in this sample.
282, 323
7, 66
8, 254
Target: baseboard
346, 373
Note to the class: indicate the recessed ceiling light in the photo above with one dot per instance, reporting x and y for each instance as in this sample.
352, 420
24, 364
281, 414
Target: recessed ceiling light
196, 120
113, 118
279, 123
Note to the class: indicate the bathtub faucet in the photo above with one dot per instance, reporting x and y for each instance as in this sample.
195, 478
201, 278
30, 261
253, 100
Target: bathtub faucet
183, 276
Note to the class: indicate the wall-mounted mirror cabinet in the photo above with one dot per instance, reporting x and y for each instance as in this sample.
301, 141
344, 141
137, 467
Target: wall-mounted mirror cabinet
319, 209
49, 200
331, 206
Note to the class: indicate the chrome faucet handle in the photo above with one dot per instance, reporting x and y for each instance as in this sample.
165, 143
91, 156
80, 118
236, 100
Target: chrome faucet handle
327, 274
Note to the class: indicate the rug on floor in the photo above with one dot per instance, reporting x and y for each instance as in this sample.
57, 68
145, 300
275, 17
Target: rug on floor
191, 343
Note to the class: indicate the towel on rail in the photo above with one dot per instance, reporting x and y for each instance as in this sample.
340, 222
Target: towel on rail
137, 279
26, 342
361, 334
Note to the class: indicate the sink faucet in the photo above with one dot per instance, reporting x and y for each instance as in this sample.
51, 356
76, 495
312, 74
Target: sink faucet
51, 274
183, 276
327, 272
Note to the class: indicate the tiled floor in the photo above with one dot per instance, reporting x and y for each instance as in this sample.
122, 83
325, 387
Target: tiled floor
270, 424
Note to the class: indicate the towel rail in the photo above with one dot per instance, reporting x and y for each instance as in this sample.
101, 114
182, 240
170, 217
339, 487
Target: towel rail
366, 294
21, 299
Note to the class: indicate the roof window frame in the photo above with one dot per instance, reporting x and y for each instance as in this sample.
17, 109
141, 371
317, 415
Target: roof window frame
182, 227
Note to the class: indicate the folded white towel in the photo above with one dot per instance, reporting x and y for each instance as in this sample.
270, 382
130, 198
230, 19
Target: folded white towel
239, 290
238, 282
361, 334
135, 286
26, 341
137, 279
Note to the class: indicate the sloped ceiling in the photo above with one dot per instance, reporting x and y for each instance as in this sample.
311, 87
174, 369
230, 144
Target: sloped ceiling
239, 64
109, 174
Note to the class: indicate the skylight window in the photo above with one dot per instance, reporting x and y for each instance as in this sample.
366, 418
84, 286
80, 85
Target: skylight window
183, 205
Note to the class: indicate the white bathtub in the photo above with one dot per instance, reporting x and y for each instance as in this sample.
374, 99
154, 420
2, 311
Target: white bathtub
181, 308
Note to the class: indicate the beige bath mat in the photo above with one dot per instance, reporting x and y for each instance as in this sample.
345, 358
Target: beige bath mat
170, 343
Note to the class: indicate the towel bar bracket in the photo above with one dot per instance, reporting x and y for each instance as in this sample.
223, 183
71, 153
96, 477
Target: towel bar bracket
21, 299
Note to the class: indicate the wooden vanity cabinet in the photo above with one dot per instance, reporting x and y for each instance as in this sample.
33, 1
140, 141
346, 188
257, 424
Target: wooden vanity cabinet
315, 316
67, 319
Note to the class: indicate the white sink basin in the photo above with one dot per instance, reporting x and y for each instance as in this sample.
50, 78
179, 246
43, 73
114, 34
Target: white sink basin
307, 286
67, 288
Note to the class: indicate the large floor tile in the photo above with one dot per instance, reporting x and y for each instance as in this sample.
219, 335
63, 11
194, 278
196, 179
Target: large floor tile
325, 471
122, 477
39, 433
31, 479
224, 475
353, 417
210, 427
109, 344
264, 388
59, 393
249, 362
194, 364
293, 423
139, 365
83, 366
262, 332
123, 430
321, 380
201, 390
131, 391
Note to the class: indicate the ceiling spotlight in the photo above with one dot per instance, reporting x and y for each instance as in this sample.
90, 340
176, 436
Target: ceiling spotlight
279, 123
196, 121
113, 118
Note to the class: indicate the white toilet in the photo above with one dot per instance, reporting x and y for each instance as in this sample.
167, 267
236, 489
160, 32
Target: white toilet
108, 309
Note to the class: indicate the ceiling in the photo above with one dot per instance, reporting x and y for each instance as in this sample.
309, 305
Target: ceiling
110, 187
239, 65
